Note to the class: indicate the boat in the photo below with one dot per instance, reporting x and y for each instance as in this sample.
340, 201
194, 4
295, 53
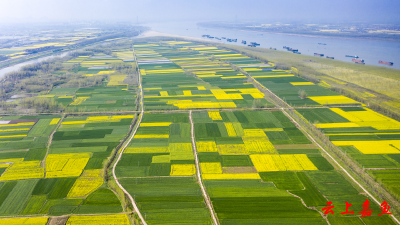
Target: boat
360, 61
291, 49
352, 56
244, 42
386, 63
329, 57
321, 43
318, 54
255, 43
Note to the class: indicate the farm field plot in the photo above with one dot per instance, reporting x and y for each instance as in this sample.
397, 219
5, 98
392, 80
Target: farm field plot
287, 86
184, 77
24, 138
158, 169
46, 42
112, 94
66, 178
245, 175
369, 138
103, 98
251, 180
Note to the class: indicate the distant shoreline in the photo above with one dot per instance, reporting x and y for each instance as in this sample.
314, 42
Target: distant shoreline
153, 33
307, 35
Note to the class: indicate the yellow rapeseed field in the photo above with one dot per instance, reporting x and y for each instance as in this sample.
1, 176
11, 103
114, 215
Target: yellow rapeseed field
336, 125
54, 121
233, 149
291, 163
230, 129
220, 94
262, 76
211, 168
369, 118
305, 162
23, 170
88, 182
66, 165
18, 124
151, 136
273, 129
285, 162
99, 119
373, 147
263, 162
301, 83
162, 124
254, 133
232, 176
25, 221
259, 145
120, 219
214, 115
206, 146
12, 136
329, 100
188, 104
21, 129
116, 80
183, 170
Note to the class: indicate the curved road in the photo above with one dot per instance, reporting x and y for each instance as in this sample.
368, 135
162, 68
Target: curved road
121, 151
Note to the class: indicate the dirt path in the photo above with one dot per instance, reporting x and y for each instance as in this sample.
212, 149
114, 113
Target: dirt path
50, 141
121, 151
203, 190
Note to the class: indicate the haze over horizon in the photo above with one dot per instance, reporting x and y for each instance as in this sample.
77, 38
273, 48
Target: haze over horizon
315, 11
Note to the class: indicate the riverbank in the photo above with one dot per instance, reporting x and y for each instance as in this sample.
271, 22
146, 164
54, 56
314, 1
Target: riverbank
153, 33
371, 51
307, 34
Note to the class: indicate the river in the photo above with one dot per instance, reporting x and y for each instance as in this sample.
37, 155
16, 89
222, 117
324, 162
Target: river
369, 50
16, 67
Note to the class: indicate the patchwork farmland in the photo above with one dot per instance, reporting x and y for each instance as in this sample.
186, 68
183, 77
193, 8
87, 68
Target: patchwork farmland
198, 136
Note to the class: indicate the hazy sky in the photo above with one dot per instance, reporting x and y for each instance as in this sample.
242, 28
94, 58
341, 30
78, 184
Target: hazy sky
376, 11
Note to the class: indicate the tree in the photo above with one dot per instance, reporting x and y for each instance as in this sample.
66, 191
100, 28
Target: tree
302, 94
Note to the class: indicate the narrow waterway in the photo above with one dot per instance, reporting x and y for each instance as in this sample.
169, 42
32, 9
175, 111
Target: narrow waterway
16, 67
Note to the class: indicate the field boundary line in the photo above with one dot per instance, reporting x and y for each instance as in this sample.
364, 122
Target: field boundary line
310, 207
203, 189
121, 151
